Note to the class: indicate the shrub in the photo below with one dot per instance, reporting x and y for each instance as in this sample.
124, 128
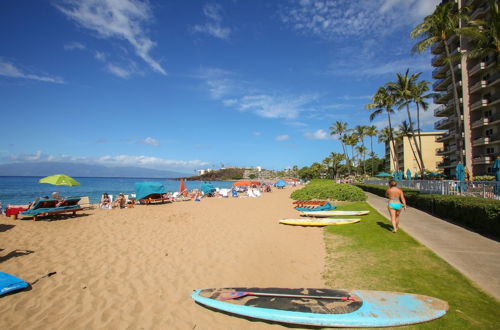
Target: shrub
484, 178
327, 189
479, 214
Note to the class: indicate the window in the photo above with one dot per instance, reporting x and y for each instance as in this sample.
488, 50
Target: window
487, 114
488, 132
490, 150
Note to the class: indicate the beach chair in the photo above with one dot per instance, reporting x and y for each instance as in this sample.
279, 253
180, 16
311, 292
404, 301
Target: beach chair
85, 203
224, 193
257, 193
234, 193
47, 207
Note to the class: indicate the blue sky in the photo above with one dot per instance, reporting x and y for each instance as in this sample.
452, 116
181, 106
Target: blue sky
183, 85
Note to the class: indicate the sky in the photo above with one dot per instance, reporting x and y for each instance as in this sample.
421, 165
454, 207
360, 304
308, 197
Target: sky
186, 85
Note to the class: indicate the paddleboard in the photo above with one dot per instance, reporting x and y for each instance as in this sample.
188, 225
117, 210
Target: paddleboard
311, 202
318, 222
325, 214
9, 283
318, 308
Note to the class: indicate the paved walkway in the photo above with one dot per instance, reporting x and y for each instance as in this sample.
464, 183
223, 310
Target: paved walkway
475, 256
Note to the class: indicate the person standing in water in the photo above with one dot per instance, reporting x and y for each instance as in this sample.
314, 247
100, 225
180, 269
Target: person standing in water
397, 203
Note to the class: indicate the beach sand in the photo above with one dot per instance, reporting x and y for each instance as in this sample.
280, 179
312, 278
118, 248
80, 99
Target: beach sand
136, 268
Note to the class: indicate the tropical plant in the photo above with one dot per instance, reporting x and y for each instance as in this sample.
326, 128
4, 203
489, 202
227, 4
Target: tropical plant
485, 35
361, 131
386, 136
371, 131
352, 140
340, 128
438, 27
419, 96
403, 90
361, 150
404, 130
384, 101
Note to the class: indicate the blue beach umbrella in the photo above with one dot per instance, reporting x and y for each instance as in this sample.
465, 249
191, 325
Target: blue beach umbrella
496, 173
395, 175
416, 176
408, 174
400, 175
383, 175
460, 174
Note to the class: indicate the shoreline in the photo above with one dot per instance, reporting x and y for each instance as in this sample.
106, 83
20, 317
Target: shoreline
137, 267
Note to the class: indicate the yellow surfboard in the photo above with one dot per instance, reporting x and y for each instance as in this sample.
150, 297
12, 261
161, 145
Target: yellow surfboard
318, 222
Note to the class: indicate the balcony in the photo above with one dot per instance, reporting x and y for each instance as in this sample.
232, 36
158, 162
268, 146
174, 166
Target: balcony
442, 98
478, 86
478, 104
443, 123
484, 121
438, 60
484, 159
484, 140
443, 110
479, 12
442, 84
446, 150
445, 137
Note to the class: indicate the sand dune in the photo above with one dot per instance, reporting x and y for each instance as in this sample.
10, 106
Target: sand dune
136, 268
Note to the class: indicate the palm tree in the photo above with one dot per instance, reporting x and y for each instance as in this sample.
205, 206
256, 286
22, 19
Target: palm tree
334, 160
485, 35
340, 128
403, 89
419, 97
438, 27
361, 150
404, 130
371, 131
361, 131
384, 101
352, 140
386, 136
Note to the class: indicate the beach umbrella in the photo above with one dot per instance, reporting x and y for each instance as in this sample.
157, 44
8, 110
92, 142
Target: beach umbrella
246, 183
395, 175
207, 188
460, 174
408, 174
383, 175
400, 175
59, 180
280, 183
182, 188
496, 173
435, 175
416, 176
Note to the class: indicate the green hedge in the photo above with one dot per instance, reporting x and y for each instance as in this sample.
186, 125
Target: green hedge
327, 189
479, 214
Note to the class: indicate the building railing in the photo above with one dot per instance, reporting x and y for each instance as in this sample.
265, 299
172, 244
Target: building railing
484, 189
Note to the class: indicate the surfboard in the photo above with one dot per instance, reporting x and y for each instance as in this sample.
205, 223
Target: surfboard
324, 307
325, 214
10, 283
311, 202
318, 222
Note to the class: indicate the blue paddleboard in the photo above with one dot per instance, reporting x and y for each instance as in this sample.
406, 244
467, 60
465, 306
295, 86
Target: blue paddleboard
324, 307
9, 283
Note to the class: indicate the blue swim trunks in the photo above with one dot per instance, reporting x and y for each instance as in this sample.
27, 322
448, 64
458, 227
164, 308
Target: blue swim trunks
395, 206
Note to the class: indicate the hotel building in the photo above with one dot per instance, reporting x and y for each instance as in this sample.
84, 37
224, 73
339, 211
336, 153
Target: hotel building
405, 148
478, 89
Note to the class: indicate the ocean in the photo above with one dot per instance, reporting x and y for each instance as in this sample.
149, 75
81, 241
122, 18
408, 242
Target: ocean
24, 189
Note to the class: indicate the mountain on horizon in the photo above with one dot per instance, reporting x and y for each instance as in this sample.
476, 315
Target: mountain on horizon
83, 170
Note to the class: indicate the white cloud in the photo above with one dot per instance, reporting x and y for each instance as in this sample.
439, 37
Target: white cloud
10, 70
256, 133
318, 135
74, 45
150, 141
329, 19
118, 71
120, 160
213, 12
231, 92
123, 19
282, 137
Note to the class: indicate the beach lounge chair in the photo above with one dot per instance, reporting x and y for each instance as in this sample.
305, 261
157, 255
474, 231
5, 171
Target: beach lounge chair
85, 203
257, 192
234, 193
46, 207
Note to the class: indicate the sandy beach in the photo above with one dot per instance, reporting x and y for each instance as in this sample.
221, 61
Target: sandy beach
136, 268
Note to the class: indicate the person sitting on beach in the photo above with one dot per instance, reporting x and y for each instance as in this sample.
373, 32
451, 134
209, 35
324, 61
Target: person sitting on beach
120, 201
105, 201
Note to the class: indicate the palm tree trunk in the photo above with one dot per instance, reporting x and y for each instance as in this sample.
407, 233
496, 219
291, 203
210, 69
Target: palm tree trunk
458, 140
371, 148
414, 139
346, 156
413, 151
420, 139
396, 160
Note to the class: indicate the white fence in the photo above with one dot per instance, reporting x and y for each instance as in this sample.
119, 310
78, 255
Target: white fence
484, 189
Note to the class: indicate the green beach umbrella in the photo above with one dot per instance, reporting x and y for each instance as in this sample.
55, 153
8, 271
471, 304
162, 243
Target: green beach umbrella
59, 180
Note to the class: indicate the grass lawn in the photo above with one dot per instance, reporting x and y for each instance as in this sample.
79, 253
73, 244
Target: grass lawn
367, 255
